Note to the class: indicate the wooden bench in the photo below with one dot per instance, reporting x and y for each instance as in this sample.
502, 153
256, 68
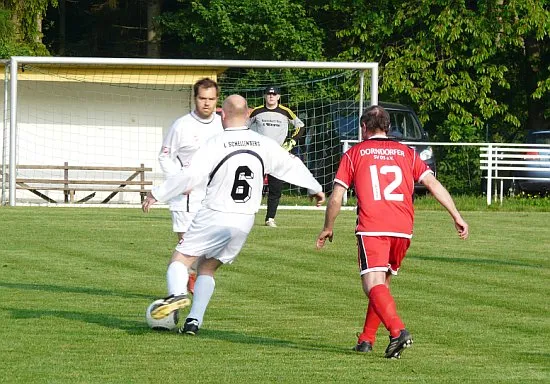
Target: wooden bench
511, 161
70, 180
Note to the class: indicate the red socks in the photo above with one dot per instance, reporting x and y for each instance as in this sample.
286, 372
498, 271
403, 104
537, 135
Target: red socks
383, 304
372, 322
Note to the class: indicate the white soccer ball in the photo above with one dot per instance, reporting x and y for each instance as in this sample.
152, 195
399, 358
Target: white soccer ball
168, 323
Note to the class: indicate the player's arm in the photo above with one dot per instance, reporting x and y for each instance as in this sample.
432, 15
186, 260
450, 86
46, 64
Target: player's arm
289, 168
298, 130
180, 182
442, 195
169, 164
333, 209
296, 133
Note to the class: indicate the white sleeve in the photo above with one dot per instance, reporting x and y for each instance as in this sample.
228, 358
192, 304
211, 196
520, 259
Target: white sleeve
185, 179
168, 153
289, 168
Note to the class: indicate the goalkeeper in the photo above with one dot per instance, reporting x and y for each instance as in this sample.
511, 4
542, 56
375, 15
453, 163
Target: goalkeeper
275, 120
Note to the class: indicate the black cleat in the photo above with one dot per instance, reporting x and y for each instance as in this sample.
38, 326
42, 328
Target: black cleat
191, 327
363, 346
169, 305
397, 344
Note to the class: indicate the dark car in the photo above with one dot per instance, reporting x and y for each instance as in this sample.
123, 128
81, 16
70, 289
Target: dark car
404, 127
542, 158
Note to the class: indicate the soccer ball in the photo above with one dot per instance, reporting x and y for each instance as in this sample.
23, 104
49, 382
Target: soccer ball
168, 323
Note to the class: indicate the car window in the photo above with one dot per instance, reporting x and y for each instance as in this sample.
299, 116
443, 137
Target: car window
539, 138
402, 125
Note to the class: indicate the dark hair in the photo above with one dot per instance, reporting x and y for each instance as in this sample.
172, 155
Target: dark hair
205, 83
376, 118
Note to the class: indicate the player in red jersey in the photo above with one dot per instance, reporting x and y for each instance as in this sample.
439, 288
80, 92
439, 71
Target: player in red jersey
383, 173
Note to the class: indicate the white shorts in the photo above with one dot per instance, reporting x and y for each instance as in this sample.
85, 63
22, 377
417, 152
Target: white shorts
181, 220
217, 235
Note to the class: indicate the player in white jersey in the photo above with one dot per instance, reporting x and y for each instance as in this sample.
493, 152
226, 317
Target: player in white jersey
183, 139
235, 162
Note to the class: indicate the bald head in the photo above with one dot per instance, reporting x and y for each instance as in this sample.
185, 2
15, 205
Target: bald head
234, 111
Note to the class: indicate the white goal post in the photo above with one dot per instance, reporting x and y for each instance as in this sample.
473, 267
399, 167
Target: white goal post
111, 113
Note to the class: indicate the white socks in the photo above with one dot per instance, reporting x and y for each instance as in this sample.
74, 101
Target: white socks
204, 288
176, 278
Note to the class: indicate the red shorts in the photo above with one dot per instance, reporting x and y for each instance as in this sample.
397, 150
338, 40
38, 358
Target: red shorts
381, 253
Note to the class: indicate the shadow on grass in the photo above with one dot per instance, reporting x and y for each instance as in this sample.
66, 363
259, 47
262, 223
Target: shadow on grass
474, 261
140, 328
130, 326
59, 288
243, 338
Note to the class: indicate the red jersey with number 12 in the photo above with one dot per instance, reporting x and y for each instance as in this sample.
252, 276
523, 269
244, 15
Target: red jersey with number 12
383, 173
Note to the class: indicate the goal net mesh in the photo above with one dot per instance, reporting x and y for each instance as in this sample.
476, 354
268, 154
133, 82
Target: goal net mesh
117, 116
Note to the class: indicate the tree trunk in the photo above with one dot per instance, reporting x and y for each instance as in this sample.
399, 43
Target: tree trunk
38, 36
16, 17
62, 28
153, 36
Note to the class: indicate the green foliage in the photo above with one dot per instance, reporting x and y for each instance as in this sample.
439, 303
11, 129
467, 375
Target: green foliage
237, 29
6, 30
19, 29
459, 63
6, 27
458, 169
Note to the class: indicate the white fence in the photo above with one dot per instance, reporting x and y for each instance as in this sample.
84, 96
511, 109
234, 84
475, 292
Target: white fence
519, 163
499, 162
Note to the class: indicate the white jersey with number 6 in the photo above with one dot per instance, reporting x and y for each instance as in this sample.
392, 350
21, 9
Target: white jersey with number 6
234, 163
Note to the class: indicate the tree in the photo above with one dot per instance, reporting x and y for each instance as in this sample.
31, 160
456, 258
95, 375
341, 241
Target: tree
21, 27
244, 29
465, 65
106, 28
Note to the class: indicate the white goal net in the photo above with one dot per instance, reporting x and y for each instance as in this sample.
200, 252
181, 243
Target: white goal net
99, 122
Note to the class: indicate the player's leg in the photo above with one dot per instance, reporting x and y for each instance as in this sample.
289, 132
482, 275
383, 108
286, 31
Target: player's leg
224, 240
204, 286
177, 276
181, 220
374, 254
366, 339
398, 250
192, 270
273, 197
384, 305
371, 325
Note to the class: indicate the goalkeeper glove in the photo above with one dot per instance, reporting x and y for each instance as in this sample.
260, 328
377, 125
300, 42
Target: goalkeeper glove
289, 144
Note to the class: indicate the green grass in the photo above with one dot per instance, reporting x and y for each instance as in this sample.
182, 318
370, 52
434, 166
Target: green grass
75, 283
520, 203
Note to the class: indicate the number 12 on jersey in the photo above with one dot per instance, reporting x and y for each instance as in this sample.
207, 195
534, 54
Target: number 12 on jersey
387, 170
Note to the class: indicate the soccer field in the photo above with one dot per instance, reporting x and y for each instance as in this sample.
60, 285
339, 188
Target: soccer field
75, 283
